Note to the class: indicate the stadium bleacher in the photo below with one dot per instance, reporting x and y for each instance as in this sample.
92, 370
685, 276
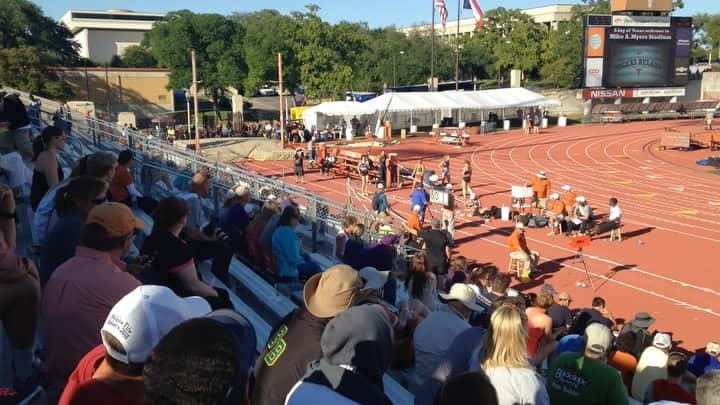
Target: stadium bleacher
250, 292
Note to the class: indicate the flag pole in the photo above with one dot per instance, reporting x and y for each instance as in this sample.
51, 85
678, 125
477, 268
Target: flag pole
457, 51
432, 49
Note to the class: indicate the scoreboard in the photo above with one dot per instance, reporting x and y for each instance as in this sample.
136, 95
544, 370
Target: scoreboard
636, 51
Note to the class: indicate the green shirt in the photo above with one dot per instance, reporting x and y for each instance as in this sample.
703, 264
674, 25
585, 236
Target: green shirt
574, 379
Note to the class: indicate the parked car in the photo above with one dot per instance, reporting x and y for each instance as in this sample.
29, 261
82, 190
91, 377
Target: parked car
268, 91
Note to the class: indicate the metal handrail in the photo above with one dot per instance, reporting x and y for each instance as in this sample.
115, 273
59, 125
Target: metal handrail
154, 153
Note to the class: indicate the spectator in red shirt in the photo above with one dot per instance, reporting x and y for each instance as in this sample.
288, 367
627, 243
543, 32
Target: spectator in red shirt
670, 388
81, 292
111, 373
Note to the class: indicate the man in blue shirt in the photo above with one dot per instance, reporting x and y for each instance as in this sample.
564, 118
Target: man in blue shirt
700, 364
419, 197
381, 202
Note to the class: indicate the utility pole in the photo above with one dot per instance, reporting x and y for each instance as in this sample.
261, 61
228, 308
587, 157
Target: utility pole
195, 99
457, 51
87, 82
187, 104
280, 97
107, 92
432, 48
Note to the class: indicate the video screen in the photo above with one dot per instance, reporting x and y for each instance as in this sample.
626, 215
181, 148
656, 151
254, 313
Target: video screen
637, 51
639, 64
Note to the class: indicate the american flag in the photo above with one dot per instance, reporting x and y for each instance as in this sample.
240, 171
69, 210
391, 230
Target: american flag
440, 4
476, 10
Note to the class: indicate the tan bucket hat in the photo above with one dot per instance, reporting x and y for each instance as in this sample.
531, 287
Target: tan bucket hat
328, 293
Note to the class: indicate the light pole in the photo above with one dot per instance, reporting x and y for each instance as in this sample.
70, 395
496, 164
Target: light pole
395, 68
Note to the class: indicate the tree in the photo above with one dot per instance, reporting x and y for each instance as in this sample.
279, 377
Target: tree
116, 61
137, 56
562, 52
267, 33
476, 60
217, 41
29, 44
24, 24
514, 39
706, 30
26, 68
325, 54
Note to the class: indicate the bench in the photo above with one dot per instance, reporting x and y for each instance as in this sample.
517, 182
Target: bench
612, 116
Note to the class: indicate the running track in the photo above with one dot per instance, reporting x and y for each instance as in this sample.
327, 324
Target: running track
667, 263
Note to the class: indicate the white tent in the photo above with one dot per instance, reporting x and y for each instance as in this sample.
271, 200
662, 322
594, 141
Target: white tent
333, 112
427, 108
472, 100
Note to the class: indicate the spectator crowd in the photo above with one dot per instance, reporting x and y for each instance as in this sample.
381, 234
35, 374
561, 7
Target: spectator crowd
117, 311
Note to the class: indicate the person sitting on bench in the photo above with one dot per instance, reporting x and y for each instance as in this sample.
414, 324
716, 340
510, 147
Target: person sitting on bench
556, 214
614, 218
581, 217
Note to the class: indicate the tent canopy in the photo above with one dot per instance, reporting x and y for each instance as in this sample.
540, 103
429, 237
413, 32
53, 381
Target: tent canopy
468, 100
346, 109
446, 102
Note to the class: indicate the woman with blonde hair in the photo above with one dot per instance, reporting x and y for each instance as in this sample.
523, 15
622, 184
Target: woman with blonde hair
504, 359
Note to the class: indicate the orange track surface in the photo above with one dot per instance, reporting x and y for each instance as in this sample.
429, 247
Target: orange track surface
668, 263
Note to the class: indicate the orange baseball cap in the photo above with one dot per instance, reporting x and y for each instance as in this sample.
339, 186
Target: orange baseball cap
116, 218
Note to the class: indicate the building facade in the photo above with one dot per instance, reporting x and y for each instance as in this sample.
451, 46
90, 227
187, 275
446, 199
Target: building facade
549, 16
103, 34
142, 91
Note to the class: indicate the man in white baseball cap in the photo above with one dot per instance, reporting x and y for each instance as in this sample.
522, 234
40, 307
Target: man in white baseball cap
112, 372
452, 318
568, 197
556, 213
651, 365
580, 217
585, 377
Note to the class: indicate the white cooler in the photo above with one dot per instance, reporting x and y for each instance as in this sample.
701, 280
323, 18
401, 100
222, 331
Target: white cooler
506, 125
505, 213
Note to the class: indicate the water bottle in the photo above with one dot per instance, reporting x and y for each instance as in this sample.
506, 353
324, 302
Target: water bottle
640, 242
581, 284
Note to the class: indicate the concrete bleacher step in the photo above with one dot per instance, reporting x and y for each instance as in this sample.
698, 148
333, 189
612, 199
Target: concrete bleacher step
262, 328
264, 292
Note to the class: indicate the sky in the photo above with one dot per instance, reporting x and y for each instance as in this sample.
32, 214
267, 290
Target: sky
377, 13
